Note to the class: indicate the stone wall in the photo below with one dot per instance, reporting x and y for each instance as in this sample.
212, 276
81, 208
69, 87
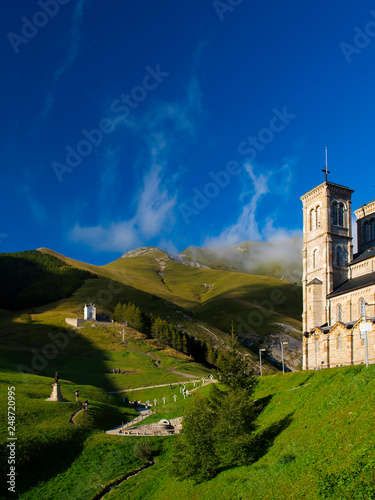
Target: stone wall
339, 347
75, 321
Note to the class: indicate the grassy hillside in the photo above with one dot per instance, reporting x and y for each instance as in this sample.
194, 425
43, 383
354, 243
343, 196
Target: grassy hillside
315, 430
32, 278
48, 444
318, 443
258, 306
203, 302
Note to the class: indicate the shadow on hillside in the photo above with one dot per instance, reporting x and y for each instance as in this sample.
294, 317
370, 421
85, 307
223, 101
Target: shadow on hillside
40, 349
306, 379
262, 403
264, 440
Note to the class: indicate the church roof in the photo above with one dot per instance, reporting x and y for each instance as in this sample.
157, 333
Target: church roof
366, 254
331, 185
353, 284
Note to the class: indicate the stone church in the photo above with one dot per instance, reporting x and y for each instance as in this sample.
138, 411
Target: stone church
338, 287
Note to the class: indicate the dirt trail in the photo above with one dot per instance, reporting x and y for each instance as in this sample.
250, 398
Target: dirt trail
72, 421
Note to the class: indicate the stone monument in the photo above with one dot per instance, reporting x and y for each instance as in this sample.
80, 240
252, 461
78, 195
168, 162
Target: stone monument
56, 391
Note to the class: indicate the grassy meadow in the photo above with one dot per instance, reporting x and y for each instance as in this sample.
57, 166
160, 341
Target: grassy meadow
318, 442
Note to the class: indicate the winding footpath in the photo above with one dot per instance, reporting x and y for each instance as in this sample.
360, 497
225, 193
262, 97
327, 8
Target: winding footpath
72, 421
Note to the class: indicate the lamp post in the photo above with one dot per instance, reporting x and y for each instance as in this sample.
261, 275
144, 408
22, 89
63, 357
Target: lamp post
260, 360
316, 352
364, 330
282, 354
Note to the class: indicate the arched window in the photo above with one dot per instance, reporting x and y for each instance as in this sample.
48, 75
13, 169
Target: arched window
362, 307
339, 257
339, 312
368, 232
315, 259
334, 213
339, 341
312, 219
340, 215
318, 216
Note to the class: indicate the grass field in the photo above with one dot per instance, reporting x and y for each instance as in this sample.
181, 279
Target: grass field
204, 302
318, 442
48, 444
316, 431
57, 459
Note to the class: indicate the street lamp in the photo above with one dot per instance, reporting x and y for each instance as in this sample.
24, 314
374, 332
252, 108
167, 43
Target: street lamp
364, 329
260, 360
282, 354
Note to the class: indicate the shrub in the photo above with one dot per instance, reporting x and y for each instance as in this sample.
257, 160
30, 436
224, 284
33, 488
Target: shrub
143, 451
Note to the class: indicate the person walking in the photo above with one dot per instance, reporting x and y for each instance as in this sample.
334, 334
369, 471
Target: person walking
77, 394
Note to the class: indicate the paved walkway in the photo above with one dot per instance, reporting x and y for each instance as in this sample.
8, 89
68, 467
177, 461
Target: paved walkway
143, 414
160, 385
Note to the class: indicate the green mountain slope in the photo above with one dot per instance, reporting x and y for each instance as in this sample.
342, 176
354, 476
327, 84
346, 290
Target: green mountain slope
204, 303
317, 442
33, 278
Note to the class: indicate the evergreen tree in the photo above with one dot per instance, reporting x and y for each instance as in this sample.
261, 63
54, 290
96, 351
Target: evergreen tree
117, 315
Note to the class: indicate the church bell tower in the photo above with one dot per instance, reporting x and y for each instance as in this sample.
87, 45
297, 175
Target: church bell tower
327, 248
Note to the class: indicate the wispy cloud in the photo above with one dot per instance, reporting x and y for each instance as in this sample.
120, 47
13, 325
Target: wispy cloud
37, 210
75, 36
246, 227
170, 117
71, 54
154, 209
156, 198
262, 182
108, 180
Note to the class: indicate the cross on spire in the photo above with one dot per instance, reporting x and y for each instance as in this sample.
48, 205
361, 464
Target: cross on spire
325, 169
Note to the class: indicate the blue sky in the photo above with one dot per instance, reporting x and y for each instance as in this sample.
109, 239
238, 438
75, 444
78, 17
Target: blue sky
177, 123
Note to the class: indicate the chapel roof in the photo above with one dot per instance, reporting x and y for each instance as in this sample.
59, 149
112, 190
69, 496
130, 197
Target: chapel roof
353, 284
359, 257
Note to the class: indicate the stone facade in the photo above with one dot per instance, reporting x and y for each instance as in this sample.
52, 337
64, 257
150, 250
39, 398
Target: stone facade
338, 288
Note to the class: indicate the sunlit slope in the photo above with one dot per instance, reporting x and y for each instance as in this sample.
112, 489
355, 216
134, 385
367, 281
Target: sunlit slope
316, 441
204, 302
89, 354
216, 296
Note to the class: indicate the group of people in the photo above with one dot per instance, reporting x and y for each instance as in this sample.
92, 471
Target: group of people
118, 371
85, 404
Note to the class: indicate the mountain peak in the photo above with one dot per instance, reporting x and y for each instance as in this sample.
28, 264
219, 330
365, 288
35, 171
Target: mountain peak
142, 251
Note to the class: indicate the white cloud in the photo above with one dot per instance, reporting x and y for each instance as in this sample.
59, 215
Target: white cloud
154, 210
246, 227
155, 203
276, 182
116, 237
156, 198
